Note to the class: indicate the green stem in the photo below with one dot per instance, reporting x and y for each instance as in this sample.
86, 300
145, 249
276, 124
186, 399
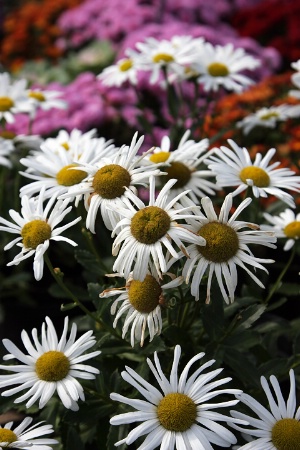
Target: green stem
77, 302
183, 310
60, 282
281, 275
89, 239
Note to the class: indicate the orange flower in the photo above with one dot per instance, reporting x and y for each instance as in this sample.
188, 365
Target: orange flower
30, 31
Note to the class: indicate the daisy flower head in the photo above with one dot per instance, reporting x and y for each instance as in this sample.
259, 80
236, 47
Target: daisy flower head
234, 168
23, 437
109, 181
75, 139
36, 227
124, 70
13, 97
142, 233
169, 55
19, 141
226, 248
178, 414
276, 428
268, 117
222, 66
51, 365
54, 165
45, 100
286, 225
141, 302
183, 164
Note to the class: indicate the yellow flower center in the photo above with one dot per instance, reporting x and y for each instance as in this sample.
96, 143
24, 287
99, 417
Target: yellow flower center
6, 104
52, 366
144, 295
7, 435
217, 69
35, 233
162, 58
269, 115
150, 224
159, 157
286, 434
68, 176
179, 171
222, 242
259, 176
6, 134
110, 181
65, 145
177, 412
37, 96
292, 230
125, 65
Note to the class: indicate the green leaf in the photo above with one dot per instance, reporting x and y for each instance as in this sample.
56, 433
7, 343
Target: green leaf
74, 441
213, 316
156, 345
243, 340
276, 366
89, 262
289, 289
243, 368
250, 315
274, 305
176, 335
296, 344
115, 434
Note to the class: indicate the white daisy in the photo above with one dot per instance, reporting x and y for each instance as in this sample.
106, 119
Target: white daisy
178, 415
142, 233
226, 248
13, 97
20, 437
6, 148
126, 69
54, 165
50, 366
268, 117
36, 227
296, 80
183, 164
171, 56
109, 181
45, 100
75, 139
20, 141
141, 302
296, 65
222, 66
277, 429
235, 168
286, 225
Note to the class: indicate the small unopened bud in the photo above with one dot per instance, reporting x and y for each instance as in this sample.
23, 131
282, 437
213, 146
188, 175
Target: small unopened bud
58, 272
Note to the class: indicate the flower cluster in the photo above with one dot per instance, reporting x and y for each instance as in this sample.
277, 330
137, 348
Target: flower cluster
175, 180
30, 23
184, 58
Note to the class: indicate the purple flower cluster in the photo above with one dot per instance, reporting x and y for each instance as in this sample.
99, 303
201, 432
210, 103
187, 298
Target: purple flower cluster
112, 19
90, 104
126, 23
